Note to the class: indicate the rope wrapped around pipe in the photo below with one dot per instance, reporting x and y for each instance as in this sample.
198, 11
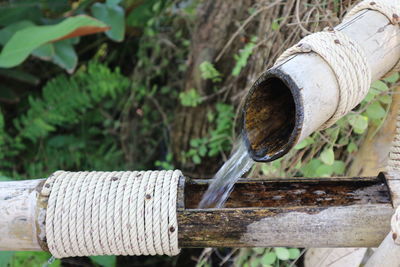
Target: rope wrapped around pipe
346, 58
394, 171
112, 213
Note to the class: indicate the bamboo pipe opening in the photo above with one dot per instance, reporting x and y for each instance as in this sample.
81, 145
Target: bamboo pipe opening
272, 116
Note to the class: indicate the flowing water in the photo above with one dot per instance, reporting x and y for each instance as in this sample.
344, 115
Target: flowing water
226, 177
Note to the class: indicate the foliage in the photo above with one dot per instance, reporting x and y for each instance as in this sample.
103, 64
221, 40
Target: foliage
266, 256
45, 37
329, 152
64, 104
104, 261
17, 50
209, 72
190, 98
243, 56
26, 258
113, 15
219, 139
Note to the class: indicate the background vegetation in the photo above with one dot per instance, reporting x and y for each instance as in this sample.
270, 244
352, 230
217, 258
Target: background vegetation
156, 84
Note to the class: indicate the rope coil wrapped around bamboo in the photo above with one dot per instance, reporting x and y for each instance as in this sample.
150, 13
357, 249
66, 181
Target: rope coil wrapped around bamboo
346, 58
112, 213
394, 171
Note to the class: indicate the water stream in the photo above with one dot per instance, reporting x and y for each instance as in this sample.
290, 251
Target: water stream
226, 177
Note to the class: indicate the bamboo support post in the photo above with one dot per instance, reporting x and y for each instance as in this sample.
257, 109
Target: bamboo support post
295, 98
298, 212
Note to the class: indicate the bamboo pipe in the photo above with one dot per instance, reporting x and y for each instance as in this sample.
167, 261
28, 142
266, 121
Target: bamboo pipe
292, 100
298, 212
388, 253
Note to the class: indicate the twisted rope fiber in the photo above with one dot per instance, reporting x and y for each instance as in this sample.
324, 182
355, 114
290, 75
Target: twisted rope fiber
394, 170
388, 8
348, 62
112, 213
345, 57
391, 9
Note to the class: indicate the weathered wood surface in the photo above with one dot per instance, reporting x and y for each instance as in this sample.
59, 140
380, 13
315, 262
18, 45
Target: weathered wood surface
296, 192
18, 229
299, 213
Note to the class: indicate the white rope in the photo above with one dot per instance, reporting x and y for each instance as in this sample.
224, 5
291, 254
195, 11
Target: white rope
394, 171
112, 213
388, 8
346, 58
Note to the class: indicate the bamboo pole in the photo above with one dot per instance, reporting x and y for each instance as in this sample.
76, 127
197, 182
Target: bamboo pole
19, 215
299, 212
387, 254
293, 99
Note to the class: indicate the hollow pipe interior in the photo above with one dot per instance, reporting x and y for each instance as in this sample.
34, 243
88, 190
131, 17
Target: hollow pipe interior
272, 116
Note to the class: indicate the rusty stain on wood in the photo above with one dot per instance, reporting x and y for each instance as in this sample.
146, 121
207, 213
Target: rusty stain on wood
302, 212
318, 192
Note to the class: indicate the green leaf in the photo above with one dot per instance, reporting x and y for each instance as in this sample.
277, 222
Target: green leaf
65, 55
275, 25
243, 56
310, 168
359, 123
294, 253
339, 167
392, 78
327, 156
24, 41
352, 147
196, 159
324, 171
385, 99
113, 15
141, 14
190, 98
105, 261
268, 258
375, 111
304, 143
259, 250
7, 32
113, 2
209, 72
32, 258
255, 262
282, 253
44, 52
379, 85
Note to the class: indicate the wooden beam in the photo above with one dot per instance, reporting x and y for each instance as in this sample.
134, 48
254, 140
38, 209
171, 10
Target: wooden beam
320, 212
300, 212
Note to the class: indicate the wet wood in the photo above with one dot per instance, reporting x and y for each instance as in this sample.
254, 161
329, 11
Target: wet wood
300, 212
348, 226
335, 212
293, 192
